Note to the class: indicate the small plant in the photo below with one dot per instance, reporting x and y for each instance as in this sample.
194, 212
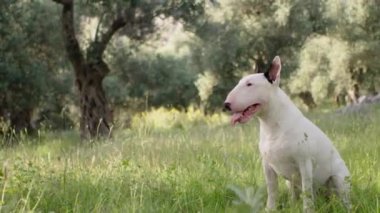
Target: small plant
254, 198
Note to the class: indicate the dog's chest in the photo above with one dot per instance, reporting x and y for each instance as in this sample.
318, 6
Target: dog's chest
278, 154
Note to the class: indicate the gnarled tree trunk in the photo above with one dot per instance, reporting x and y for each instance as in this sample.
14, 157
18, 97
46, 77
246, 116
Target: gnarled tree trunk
96, 116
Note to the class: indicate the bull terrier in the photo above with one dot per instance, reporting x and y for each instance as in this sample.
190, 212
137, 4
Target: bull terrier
290, 145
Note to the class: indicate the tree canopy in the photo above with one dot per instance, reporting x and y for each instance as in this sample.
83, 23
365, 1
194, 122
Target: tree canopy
178, 53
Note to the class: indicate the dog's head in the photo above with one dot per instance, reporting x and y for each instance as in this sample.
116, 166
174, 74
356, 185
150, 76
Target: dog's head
252, 93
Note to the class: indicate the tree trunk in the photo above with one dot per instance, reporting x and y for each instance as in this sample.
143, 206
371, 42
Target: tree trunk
96, 116
307, 99
20, 120
353, 94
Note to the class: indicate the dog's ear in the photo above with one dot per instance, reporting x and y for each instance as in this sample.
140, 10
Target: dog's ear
273, 73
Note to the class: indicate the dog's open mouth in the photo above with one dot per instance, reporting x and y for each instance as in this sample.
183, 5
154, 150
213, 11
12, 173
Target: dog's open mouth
245, 115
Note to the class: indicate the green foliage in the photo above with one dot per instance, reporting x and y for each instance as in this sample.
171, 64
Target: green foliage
324, 62
325, 45
209, 168
239, 35
344, 56
182, 53
16, 66
31, 60
156, 79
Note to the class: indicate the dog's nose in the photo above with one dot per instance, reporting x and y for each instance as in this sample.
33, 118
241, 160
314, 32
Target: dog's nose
227, 106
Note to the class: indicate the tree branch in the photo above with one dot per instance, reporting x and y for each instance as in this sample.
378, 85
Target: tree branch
98, 27
99, 45
71, 43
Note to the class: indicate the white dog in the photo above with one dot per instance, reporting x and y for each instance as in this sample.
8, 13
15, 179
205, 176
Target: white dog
291, 146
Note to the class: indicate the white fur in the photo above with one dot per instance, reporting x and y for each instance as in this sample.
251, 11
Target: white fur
291, 146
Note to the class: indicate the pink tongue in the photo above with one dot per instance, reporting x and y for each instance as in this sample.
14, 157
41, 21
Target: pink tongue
236, 117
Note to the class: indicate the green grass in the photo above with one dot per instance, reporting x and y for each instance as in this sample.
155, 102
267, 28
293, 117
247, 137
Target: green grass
202, 167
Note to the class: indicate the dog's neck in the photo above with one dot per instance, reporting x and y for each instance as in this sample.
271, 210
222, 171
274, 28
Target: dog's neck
279, 112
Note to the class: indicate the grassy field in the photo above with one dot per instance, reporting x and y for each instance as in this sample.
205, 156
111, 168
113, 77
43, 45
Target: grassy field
175, 162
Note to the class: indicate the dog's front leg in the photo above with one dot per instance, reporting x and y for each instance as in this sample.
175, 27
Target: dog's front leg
293, 188
272, 186
342, 186
306, 171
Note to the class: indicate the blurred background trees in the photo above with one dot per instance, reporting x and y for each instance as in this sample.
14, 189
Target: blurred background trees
181, 53
32, 65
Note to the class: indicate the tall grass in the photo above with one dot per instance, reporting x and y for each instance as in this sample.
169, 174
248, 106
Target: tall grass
175, 162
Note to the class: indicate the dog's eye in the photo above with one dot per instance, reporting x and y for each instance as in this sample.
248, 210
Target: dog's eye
249, 84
